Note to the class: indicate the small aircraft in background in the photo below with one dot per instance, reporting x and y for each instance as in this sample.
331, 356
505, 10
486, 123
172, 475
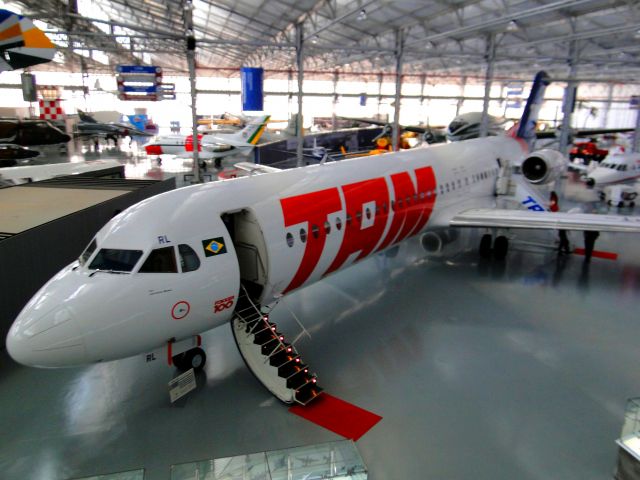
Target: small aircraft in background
617, 167
34, 173
221, 145
463, 127
30, 133
210, 146
89, 127
10, 153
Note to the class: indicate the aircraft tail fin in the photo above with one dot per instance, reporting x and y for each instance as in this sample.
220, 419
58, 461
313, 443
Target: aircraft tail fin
253, 131
527, 125
85, 117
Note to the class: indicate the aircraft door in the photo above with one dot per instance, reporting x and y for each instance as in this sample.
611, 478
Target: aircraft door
251, 250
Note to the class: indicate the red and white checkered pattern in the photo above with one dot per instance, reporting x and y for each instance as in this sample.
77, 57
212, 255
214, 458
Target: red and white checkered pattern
51, 110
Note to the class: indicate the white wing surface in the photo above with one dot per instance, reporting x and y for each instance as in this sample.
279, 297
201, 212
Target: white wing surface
501, 218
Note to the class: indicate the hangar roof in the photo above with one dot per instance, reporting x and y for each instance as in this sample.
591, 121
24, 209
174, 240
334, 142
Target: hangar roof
437, 38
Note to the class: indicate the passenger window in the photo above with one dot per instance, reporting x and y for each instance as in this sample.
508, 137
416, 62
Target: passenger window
338, 223
315, 231
385, 208
348, 219
289, 238
303, 235
189, 260
160, 260
115, 260
327, 228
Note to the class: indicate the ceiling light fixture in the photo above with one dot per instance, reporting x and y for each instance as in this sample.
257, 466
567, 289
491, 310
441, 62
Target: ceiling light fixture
362, 15
512, 26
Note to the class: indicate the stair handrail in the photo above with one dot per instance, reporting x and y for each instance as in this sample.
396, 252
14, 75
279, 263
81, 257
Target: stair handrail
266, 322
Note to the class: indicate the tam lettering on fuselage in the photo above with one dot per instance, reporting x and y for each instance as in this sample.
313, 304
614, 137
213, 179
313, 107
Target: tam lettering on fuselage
364, 210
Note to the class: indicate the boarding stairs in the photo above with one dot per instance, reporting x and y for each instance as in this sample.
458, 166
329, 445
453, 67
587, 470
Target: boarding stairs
273, 361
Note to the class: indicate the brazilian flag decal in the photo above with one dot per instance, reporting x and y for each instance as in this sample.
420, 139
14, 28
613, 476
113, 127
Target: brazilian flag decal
214, 246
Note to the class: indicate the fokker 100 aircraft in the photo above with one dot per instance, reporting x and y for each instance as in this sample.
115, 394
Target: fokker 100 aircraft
186, 261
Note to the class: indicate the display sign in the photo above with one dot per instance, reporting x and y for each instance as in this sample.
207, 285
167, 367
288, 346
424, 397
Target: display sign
146, 69
634, 102
139, 82
28, 81
181, 385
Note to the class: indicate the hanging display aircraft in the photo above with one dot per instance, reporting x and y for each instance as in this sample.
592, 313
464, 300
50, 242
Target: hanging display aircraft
192, 259
21, 43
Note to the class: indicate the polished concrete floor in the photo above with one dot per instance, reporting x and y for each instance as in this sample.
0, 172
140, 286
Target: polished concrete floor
480, 369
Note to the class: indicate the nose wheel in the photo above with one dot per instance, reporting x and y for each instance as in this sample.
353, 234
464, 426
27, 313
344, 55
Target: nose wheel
194, 358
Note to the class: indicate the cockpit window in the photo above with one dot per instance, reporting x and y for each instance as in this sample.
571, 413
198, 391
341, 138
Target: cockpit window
84, 256
189, 260
160, 260
110, 259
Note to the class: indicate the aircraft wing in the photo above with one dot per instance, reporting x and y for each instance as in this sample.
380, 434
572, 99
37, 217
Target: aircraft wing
213, 140
582, 132
503, 218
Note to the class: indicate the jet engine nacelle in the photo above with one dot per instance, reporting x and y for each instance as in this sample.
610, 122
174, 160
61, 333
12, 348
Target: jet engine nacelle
543, 166
434, 241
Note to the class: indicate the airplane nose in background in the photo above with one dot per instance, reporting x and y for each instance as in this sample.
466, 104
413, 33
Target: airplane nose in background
51, 340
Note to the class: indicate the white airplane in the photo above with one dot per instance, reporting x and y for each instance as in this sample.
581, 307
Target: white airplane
211, 146
186, 261
33, 173
617, 167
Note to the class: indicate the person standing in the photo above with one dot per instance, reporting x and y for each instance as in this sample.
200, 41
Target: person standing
563, 247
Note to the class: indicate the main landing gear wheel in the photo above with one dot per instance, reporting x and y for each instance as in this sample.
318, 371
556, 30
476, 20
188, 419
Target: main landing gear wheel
194, 358
500, 247
485, 246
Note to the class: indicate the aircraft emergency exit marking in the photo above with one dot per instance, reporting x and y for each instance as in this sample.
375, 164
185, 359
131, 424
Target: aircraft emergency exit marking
367, 206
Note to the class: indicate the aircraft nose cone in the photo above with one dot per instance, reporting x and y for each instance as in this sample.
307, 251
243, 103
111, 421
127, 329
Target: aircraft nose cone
52, 339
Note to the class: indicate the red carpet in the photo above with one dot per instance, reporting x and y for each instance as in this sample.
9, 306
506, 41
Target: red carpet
598, 254
338, 416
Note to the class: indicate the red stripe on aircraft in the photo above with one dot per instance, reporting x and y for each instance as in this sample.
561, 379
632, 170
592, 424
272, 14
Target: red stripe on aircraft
312, 208
356, 238
366, 202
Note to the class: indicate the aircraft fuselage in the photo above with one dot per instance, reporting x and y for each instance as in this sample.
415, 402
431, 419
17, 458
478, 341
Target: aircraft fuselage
279, 231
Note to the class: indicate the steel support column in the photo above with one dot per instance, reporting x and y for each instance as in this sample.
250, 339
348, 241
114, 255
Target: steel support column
191, 64
636, 135
336, 76
607, 108
300, 64
461, 99
399, 50
569, 99
490, 57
